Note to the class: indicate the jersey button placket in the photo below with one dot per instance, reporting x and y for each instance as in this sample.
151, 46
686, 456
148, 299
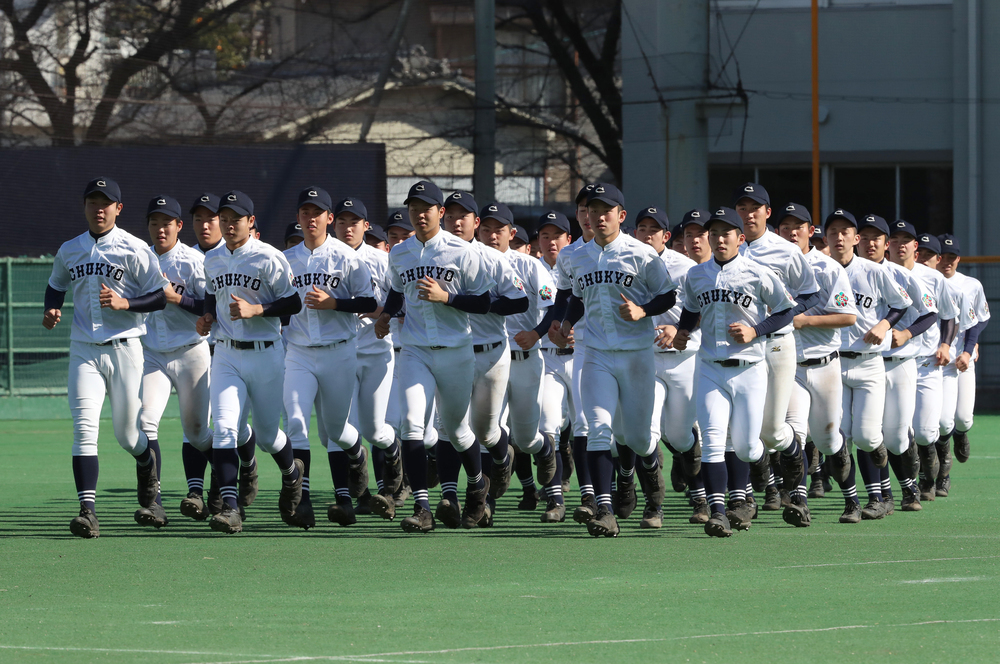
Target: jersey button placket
605, 296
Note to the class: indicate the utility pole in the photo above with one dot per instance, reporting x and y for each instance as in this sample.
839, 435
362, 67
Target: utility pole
484, 137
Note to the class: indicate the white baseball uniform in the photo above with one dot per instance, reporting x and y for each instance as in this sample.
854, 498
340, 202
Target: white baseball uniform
564, 281
787, 261
558, 405
960, 386
176, 355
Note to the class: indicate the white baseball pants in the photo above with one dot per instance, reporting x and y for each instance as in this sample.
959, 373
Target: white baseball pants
450, 372
328, 373
900, 402
675, 410
371, 397
816, 407
557, 394
187, 370
959, 401
245, 380
930, 395
731, 405
779, 356
863, 400
610, 378
524, 400
488, 391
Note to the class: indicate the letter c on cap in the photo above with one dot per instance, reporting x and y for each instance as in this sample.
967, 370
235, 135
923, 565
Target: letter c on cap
348, 203
160, 201
651, 210
696, 215
312, 192
790, 208
203, 199
231, 197
493, 208
748, 189
102, 183
419, 187
551, 215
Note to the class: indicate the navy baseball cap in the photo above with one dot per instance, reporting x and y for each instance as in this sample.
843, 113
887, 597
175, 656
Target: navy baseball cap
657, 215
817, 232
754, 192
497, 211
399, 219
208, 200
520, 234
696, 216
727, 216
675, 232
351, 204
839, 213
606, 193
949, 244
928, 241
797, 211
876, 222
238, 202
903, 226
317, 196
552, 218
584, 192
106, 186
293, 229
165, 204
377, 233
425, 191
464, 199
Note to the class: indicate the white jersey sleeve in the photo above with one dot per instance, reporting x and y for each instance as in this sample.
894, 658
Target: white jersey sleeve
540, 287
174, 327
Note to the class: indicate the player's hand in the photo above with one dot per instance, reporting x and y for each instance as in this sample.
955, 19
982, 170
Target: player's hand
629, 310
566, 330
526, 339
240, 309
112, 300
556, 336
800, 321
204, 324
665, 335
963, 362
681, 339
382, 326
428, 289
943, 355
51, 317
741, 334
168, 290
876, 335
900, 337
319, 299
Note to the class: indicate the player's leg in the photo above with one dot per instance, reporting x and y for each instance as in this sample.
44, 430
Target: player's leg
189, 373
599, 391
229, 412
490, 386
374, 384
155, 392
300, 393
588, 502
900, 401
776, 433
796, 512
868, 405
635, 372
679, 430
714, 404
966, 404
524, 400
949, 403
86, 390
926, 423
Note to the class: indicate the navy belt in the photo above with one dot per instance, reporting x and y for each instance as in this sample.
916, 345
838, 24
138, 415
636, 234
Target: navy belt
854, 355
820, 361
735, 363
520, 354
482, 348
559, 351
246, 345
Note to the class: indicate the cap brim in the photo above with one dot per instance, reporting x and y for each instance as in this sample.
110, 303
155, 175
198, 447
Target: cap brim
98, 190
243, 212
795, 215
564, 229
723, 221
503, 221
211, 208
173, 214
426, 198
603, 199
754, 197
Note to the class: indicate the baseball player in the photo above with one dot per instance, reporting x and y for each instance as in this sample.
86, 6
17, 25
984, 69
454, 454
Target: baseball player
205, 222
960, 375
695, 235
929, 350
397, 228
375, 360
732, 295
376, 239
763, 246
881, 303
293, 235
520, 241
524, 389
255, 281
676, 242
175, 355
442, 279
116, 281
817, 397
610, 275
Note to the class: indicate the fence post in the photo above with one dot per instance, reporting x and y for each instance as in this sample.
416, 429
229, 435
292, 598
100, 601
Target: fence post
10, 325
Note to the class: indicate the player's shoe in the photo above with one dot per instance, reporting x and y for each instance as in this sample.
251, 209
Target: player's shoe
449, 513
910, 502
911, 459
652, 517
604, 523
840, 464
701, 513
587, 509
475, 503
384, 505
772, 498
962, 447
739, 513
880, 456
654, 486
752, 506
797, 514
227, 521
357, 474
154, 516
305, 516
193, 506
399, 498
213, 502
421, 521
342, 515
816, 489
889, 502
529, 499
852, 511
247, 485
566, 451
626, 499
943, 448
718, 526
500, 476
760, 471
792, 468
392, 474
875, 509
432, 472
554, 512
546, 465
85, 525
813, 457
364, 505
785, 496
677, 481
929, 465
487, 520
291, 494
147, 483
927, 489
942, 486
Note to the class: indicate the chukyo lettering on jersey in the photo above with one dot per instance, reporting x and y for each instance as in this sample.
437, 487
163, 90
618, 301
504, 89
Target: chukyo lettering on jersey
96, 269
178, 288
862, 300
432, 271
317, 279
605, 277
238, 280
726, 296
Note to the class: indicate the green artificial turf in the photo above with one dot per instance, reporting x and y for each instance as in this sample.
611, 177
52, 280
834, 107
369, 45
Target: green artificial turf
913, 587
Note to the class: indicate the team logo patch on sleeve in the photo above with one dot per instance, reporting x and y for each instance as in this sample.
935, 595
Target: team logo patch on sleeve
903, 292
519, 283
986, 307
972, 314
841, 299
928, 300
545, 293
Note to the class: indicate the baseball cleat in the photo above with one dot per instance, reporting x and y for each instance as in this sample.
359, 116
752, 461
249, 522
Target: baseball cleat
738, 513
701, 513
875, 509
852, 511
304, 516
147, 483
652, 517
554, 512
910, 502
357, 474
692, 459
889, 502
943, 448
760, 471
797, 514
399, 498
384, 505
213, 503
654, 485
929, 465
626, 500
942, 486
566, 451
791, 470
816, 489
421, 521
546, 467
247, 484
677, 481
291, 494
227, 521
880, 456
500, 476
911, 460
840, 464
603, 524
752, 507
193, 506
342, 515
962, 447
927, 489
449, 513
154, 516
487, 520
475, 503
718, 526
772, 499
587, 509
364, 505
85, 525
392, 474
529, 500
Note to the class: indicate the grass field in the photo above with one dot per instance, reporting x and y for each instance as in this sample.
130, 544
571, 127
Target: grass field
914, 587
